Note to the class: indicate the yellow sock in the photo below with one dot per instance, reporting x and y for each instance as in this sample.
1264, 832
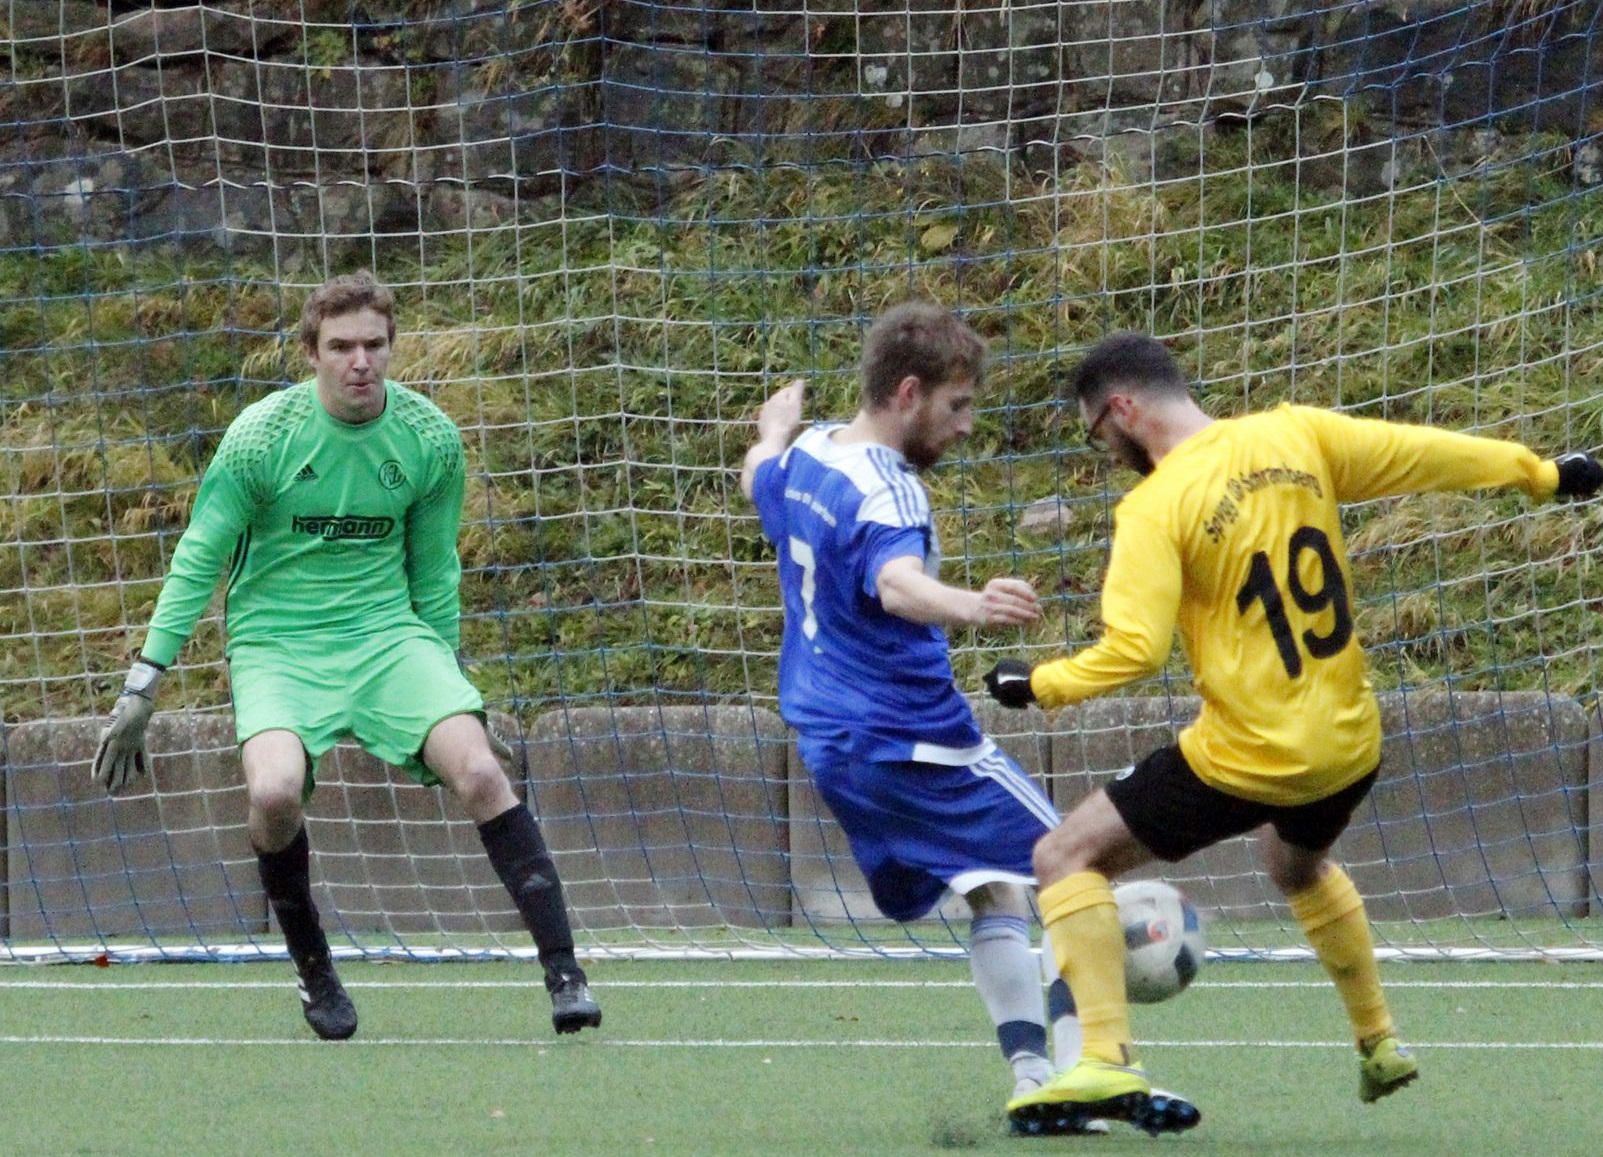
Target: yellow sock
1333, 918
1083, 924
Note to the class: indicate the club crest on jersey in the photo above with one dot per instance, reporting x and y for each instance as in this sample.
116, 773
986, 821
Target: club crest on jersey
343, 527
391, 476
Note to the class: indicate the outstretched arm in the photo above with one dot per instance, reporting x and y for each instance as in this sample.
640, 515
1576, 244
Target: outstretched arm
777, 423
1140, 606
907, 592
1370, 458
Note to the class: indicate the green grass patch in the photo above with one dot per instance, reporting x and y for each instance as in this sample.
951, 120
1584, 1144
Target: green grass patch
760, 1058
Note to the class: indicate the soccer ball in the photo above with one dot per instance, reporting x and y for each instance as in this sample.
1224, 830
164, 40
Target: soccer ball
1163, 943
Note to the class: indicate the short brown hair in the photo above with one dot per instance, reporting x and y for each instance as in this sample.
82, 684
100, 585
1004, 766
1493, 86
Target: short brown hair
341, 295
932, 344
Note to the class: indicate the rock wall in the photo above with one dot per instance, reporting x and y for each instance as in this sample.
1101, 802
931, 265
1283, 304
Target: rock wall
242, 121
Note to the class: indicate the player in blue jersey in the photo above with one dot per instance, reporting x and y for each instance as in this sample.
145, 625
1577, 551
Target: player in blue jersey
926, 800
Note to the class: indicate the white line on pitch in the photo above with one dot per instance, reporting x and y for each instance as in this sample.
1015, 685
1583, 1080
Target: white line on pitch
544, 1046
603, 983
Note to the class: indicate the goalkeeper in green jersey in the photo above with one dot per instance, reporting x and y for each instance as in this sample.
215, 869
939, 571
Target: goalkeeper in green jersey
1232, 539
334, 507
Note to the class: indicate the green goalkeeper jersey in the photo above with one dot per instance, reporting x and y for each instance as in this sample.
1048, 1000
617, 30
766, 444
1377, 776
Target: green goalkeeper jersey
327, 530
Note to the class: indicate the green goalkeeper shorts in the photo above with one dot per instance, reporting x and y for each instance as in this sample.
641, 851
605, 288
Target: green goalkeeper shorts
386, 692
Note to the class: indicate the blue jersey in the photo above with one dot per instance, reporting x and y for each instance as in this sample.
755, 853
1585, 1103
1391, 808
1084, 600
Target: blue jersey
852, 675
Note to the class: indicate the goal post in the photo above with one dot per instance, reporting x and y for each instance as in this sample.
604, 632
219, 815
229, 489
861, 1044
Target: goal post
613, 229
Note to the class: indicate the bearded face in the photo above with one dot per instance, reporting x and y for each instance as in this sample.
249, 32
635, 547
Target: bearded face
1104, 436
944, 417
1127, 451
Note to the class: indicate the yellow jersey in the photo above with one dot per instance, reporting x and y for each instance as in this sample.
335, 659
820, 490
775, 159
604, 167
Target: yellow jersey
1235, 540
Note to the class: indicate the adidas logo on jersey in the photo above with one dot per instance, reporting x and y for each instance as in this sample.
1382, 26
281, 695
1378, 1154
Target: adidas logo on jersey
306, 474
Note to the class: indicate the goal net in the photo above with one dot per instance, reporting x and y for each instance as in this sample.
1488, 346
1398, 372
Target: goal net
613, 229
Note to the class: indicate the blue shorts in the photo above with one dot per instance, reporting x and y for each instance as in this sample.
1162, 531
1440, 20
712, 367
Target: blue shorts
919, 828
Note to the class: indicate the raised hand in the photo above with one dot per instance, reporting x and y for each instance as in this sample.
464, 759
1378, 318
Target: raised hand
781, 413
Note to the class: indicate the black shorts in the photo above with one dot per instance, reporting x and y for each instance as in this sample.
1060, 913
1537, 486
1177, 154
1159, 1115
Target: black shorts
1174, 813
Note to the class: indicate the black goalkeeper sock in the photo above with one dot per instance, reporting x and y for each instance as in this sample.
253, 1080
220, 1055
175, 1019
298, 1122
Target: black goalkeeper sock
287, 879
518, 854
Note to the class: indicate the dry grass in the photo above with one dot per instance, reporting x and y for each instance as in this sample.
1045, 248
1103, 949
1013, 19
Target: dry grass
605, 371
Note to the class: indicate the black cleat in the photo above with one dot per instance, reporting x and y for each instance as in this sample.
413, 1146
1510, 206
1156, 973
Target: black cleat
1153, 1114
323, 1001
1167, 1113
572, 1006
1099, 1090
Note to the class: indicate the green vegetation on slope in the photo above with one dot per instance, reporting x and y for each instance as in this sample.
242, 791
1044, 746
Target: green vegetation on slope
604, 371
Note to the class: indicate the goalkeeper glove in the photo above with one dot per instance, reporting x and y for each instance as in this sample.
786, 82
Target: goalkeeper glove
121, 756
1579, 476
501, 749
1009, 683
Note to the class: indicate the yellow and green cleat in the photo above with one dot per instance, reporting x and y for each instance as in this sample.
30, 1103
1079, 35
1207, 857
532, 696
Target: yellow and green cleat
1099, 1090
1384, 1067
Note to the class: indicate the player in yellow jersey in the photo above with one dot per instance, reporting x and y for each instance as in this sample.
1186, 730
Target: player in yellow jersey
334, 506
1233, 538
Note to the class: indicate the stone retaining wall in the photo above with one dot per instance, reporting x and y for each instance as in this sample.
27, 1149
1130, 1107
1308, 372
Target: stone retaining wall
701, 817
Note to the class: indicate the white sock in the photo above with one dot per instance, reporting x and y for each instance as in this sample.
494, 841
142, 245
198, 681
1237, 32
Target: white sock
1029, 1067
1009, 982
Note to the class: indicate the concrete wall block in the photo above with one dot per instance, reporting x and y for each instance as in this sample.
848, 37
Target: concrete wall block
168, 858
665, 817
390, 855
1480, 807
692, 817
1091, 742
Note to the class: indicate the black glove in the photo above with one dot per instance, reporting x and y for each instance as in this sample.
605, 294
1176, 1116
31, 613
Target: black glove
1009, 683
1579, 476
